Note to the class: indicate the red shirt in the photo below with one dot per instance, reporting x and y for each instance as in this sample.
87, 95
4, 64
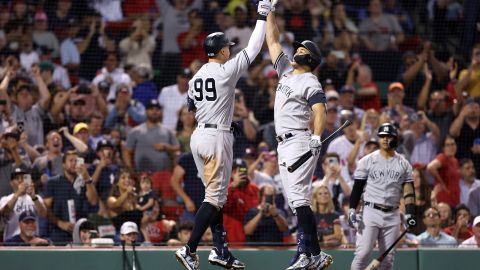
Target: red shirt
239, 200
462, 236
370, 102
158, 231
139, 6
449, 172
195, 51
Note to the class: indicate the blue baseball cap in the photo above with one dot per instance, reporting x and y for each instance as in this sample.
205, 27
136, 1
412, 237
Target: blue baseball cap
27, 215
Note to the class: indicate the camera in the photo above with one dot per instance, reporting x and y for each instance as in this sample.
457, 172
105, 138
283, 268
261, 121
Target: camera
84, 89
269, 199
27, 179
104, 86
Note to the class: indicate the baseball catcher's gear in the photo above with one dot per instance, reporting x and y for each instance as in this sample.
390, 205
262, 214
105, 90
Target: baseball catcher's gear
313, 59
389, 130
215, 42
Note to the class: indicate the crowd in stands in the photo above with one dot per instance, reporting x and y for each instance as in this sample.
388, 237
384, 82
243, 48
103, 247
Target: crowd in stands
95, 132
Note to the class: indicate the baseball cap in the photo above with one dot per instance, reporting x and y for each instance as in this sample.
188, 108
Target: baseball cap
72, 22
346, 115
122, 88
327, 81
27, 215
79, 127
40, 16
347, 89
104, 143
143, 71
476, 221
17, 171
128, 227
153, 103
186, 72
250, 152
271, 73
396, 85
332, 94
239, 162
45, 49
46, 65
372, 140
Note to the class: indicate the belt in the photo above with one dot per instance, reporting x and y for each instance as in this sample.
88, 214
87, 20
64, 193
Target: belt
381, 207
284, 137
215, 126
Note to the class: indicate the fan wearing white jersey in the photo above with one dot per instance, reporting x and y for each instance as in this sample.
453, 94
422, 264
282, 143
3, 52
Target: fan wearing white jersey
386, 176
211, 95
298, 95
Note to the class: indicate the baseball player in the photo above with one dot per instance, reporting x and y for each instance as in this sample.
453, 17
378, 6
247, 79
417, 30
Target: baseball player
298, 94
211, 95
384, 174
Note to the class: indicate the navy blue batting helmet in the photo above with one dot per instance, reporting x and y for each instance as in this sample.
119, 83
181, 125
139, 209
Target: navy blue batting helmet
215, 42
311, 47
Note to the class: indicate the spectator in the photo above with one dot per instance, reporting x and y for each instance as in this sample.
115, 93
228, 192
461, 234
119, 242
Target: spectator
54, 76
445, 215
247, 129
122, 201
422, 197
395, 108
468, 180
331, 122
69, 51
67, 196
160, 230
82, 232
340, 32
445, 170
191, 42
184, 231
337, 186
112, 75
82, 133
240, 32
264, 170
349, 233
58, 18
465, 130
173, 97
438, 111
28, 56
24, 109
367, 94
191, 190
344, 144
327, 219
242, 196
27, 235
150, 146
433, 235
474, 201
298, 20
264, 100
394, 8
380, 32
95, 128
22, 199
461, 230
137, 48
333, 73
124, 113
347, 102
145, 89
10, 157
185, 127
146, 202
468, 77
474, 241
265, 223
422, 139
42, 36
129, 233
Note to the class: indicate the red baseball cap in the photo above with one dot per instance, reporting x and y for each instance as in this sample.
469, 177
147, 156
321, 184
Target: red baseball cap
396, 85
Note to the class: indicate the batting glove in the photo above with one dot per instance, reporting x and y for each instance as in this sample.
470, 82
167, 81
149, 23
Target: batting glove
264, 8
315, 145
352, 218
410, 221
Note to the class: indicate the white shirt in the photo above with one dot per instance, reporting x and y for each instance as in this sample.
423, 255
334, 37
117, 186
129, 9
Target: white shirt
23, 203
172, 101
27, 59
118, 76
469, 243
342, 146
69, 52
464, 190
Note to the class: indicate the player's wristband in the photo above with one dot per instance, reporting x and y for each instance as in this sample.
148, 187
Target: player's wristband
261, 17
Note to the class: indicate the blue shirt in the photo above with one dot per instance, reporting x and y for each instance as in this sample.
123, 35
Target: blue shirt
144, 92
442, 240
192, 184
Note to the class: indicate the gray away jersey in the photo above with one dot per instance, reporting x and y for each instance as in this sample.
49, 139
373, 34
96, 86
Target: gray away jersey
385, 178
292, 110
212, 89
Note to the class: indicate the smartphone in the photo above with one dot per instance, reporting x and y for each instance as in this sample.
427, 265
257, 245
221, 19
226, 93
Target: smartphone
20, 127
269, 199
80, 161
27, 179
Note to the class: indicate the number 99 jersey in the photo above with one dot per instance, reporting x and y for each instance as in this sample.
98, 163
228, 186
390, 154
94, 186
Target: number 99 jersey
212, 89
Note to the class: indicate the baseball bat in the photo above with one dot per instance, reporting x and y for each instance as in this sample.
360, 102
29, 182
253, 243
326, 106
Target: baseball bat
308, 154
375, 264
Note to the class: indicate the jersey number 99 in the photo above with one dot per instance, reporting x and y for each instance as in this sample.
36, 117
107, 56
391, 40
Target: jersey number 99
209, 86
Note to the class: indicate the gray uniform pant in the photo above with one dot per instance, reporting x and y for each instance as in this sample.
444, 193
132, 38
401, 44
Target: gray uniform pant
376, 225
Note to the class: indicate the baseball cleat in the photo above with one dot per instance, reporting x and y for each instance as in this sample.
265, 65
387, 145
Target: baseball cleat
300, 262
188, 260
224, 259
320, 262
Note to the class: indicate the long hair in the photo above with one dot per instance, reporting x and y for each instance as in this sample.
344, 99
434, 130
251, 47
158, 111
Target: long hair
115, 191
330, 207
425, 190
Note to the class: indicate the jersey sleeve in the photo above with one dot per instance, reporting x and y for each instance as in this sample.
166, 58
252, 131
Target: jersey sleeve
361, 173
314, 94
237, 66
408, 177
282, 65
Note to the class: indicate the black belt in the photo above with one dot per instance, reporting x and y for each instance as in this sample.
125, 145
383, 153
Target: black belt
214, 126
381, 207
283, 137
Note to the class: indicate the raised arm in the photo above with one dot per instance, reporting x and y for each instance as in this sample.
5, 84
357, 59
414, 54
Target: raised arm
255, 42
273, 36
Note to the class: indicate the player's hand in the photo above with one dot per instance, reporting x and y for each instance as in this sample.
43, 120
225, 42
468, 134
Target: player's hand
190, 206
274, 3
410, 221
264, 8
315, 145
352, 218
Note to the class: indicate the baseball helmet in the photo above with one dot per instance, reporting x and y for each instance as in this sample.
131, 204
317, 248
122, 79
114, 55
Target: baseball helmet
311, 47
215, 42
389, 130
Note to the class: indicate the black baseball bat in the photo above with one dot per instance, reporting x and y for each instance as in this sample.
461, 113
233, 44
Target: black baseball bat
375, 264
308, 154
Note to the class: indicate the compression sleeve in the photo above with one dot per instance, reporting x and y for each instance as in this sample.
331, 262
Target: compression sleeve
255, 42
357, 191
